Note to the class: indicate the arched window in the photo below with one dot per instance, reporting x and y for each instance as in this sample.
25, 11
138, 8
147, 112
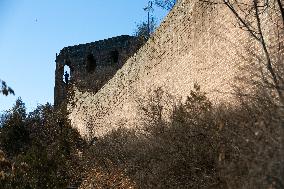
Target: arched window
114, 56
91, 63
66, 74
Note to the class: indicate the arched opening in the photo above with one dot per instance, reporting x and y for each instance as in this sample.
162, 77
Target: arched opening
66, 74
91, 63
114, 56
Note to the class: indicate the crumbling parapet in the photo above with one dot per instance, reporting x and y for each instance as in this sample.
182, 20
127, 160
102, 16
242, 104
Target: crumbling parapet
92, 64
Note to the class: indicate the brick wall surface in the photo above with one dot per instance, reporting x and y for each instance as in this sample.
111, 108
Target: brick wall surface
197, 43
76, 57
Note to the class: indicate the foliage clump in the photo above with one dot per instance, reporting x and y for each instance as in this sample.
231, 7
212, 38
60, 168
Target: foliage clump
39, 149
201, 146
6, 90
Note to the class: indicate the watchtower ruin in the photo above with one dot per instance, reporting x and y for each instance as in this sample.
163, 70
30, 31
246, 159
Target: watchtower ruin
91, 65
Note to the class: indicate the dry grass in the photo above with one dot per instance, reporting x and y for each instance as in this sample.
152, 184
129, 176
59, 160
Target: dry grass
201, 147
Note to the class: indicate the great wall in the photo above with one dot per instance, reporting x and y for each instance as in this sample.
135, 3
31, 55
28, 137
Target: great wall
92, 64
196, 43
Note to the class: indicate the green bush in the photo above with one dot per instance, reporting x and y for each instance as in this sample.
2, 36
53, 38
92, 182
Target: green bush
14, 136
42, 147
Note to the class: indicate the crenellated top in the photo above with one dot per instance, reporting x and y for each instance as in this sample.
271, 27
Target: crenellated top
118, 41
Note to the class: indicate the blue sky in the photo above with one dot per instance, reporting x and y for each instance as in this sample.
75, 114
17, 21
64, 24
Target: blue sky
33, 31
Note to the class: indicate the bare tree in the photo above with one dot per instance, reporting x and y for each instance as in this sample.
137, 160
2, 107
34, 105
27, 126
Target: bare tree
263, 20
281, 9
145, 31
166, 4
255, 17
251, 16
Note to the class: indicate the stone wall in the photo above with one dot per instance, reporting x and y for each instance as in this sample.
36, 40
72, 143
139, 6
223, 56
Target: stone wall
197, 43
92, 64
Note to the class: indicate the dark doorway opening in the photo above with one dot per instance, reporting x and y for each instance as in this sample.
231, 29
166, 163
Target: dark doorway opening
66, 74
91, 63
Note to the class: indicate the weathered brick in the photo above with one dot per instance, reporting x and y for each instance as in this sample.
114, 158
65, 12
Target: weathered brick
76, 58
197, 43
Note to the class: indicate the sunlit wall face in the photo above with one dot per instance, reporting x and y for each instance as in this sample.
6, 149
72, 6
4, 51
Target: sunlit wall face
32, 32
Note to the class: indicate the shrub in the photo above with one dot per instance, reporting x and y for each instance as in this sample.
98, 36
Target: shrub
14, 135
42, 148
201, 147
